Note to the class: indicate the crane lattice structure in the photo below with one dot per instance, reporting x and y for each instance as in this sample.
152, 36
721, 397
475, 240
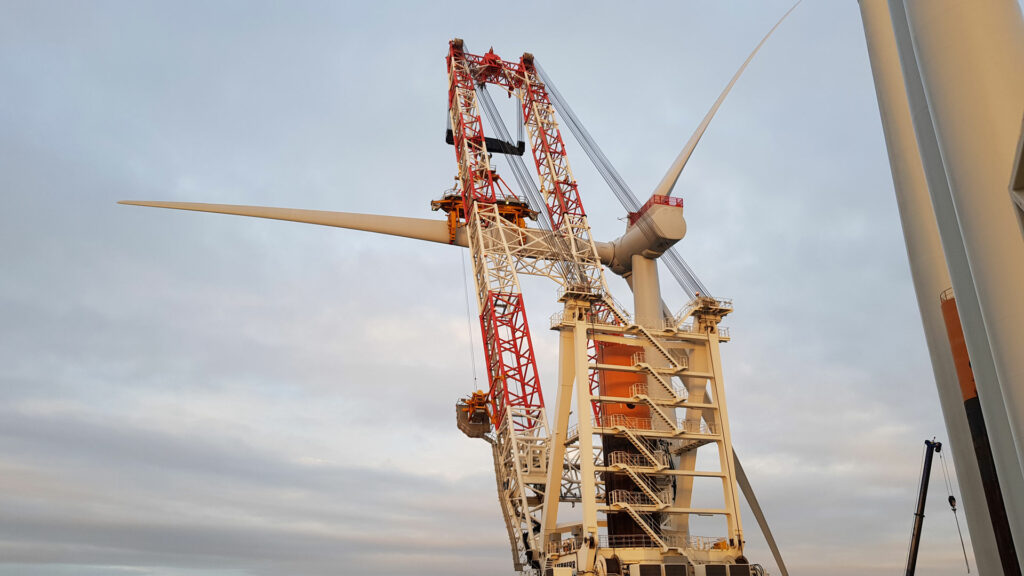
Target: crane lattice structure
652, 381
636, 376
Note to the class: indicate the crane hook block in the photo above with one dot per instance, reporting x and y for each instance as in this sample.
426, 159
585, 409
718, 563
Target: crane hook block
471, 415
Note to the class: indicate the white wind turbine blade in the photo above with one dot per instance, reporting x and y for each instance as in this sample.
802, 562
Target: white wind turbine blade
755, 507
669, 181
418, 228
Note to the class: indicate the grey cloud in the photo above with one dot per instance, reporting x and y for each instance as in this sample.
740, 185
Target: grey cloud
95, 492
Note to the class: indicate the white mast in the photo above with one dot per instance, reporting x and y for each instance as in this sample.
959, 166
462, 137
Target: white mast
963, 71
927, 267
971, 61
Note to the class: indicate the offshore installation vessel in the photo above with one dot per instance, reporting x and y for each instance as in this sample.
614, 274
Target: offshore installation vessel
614, 487
617, 480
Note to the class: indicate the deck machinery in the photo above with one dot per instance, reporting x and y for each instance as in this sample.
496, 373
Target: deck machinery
651, 382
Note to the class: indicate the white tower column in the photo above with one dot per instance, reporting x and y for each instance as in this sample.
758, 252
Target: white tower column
646, 291
922, 47
649, 314
927, 268
971, 59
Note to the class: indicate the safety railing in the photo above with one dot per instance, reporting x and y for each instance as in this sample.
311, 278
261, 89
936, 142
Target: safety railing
636, 423
567, 546
680, 358
557, 319
638, 389
671, 540
661, 324
689, 328
655, 199
711, 302
643, 389
947, 294
704, 302
581, 292
704, 542
574, 430
634, 460
630, 422
639, 498
700, 427
627, 541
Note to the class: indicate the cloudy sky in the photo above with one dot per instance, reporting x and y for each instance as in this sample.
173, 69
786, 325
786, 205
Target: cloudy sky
204, 395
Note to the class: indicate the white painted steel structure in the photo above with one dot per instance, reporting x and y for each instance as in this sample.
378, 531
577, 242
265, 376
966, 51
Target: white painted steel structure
679, 384
648, 390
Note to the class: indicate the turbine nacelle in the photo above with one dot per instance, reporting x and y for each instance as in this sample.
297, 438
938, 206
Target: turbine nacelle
651, 231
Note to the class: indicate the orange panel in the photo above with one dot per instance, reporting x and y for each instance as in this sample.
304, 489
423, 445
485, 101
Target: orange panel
615, 383
955, 333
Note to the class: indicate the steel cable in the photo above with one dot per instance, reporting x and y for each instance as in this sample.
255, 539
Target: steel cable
952, 505
568, 267
680, 270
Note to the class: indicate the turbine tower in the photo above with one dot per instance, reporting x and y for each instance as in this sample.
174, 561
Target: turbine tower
950, 83
638, 395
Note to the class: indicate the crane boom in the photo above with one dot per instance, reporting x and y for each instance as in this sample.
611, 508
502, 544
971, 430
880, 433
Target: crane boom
629, 457
649, 389
930, 448
493, 216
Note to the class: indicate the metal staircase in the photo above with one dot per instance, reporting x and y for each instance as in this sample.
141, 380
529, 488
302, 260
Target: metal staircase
654, 534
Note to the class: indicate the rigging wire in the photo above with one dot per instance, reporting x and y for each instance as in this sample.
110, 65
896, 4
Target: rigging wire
520, 124
519, 170
952, 505
570, 270
681, 271
615, 181
469, 318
